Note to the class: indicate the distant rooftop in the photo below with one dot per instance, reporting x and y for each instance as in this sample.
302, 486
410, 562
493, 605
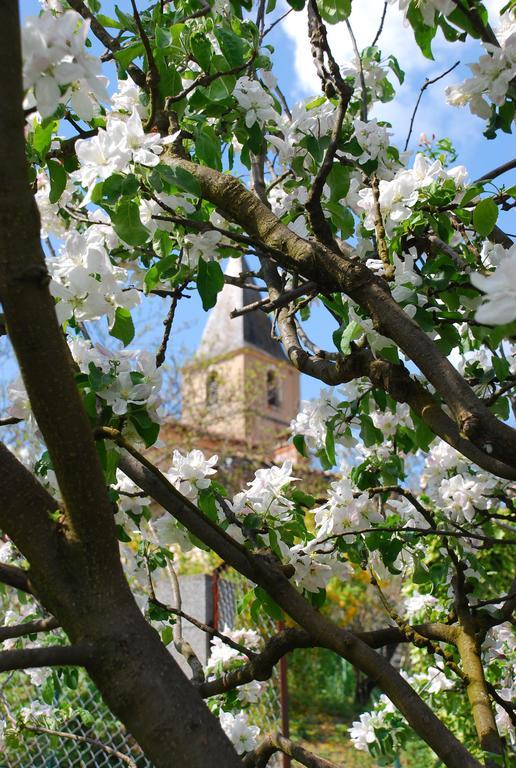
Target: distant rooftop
223, 334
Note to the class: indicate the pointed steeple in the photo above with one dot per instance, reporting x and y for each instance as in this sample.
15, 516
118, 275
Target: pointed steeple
223, 334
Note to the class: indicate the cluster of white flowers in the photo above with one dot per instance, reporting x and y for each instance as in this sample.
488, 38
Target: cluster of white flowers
363, 731
202, 245
428, 8
134, 376
374, 76
388, 421
190, 473
180, 204
223, 655
345, 510
264, 495
311, 420
56, 67
492, 74
243, 736
314, 569
7, 551
307, 120
85, 281
257, 104
114, 148
499, 305
398, 196
373, 138
462, 495
418, 603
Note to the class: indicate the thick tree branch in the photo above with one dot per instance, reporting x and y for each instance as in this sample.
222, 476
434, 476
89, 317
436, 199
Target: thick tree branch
51, 656
260, 756
265, 571
334, 271
28, 628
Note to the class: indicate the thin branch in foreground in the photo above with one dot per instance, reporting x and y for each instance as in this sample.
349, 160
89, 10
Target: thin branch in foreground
152, 78
15, 577
382, 22
52, 656
421, 92
28, 628
83, 740
508, 166
260, 756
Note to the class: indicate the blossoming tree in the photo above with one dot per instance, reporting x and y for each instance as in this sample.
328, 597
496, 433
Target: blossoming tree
142, 196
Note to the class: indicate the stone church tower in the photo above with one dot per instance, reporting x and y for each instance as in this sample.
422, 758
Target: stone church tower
240, 384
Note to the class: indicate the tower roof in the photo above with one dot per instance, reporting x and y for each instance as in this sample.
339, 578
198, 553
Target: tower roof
223, 334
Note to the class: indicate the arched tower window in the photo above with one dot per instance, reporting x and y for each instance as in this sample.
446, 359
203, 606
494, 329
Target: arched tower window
212, 389
273, 395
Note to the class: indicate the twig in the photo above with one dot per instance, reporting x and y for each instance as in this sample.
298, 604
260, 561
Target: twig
363, 108
381, 240
382, 21
268, 306
277, 21
82, 739
152, 78
260, 756
51, 656
421, 92
508, 166
28, 628
204, 80
11, 420
160, 355
206, 628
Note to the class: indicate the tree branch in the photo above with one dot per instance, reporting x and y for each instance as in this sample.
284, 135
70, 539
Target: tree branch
51, 656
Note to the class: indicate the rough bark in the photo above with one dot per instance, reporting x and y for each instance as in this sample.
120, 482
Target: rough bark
333, 271
265, 571
75, 563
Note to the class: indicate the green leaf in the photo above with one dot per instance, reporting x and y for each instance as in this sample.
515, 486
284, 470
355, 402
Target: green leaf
394, 65
501, 367
268, 604
202, 50
179, 177
42, 137
127, 224
338, 181
207, 148
297, 5
210, 281
351, 332
57, 180
300, 445
423, 34
334, 11
146, 428
485, 216
123, 327
126, 55
231, 46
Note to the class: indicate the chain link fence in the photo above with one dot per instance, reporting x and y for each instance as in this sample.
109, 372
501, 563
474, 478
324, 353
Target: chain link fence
230, 589
93, 737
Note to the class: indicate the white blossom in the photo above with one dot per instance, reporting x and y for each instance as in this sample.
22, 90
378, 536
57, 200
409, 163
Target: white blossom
243, 736
492, 75
256, 103
190, 472
499, 305
56, 66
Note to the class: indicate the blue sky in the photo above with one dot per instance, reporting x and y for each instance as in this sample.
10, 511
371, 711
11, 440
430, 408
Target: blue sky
295, 72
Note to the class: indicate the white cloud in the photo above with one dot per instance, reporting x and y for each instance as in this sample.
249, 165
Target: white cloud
434, 115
